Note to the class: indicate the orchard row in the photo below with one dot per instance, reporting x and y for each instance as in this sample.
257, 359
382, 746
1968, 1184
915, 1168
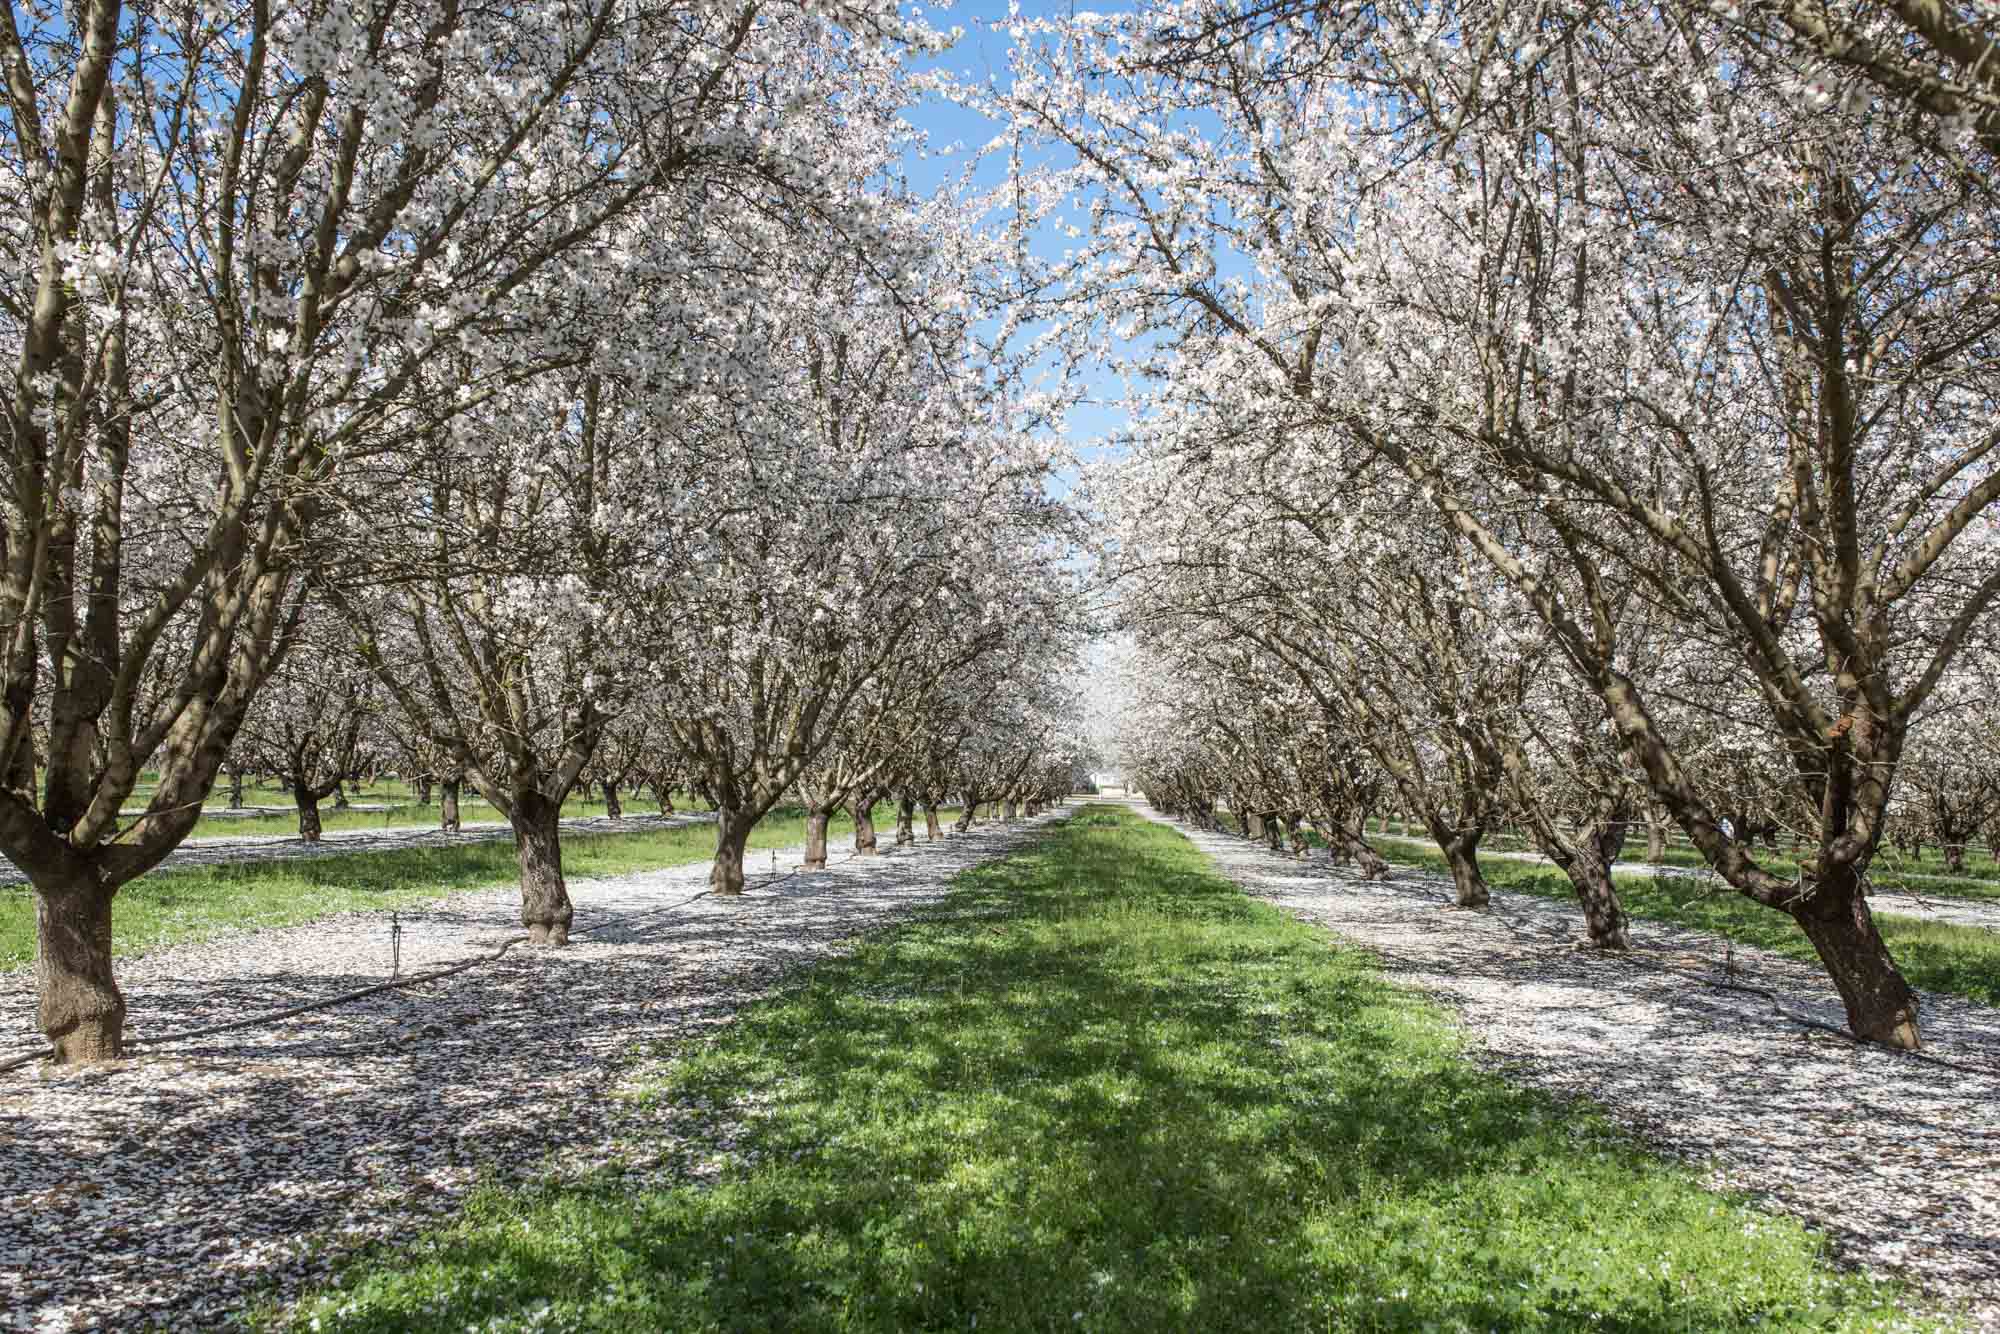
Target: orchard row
1568, 415
540, 392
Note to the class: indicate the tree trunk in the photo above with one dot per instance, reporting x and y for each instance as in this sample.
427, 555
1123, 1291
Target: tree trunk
423, 786
308, 804
80, 1007
448, 808
339, 795
1461, 854
964, 824
1273, 835
1603, 914
1008, 812
931, 828
1353, 842
235, 789
816, 818
1656, 840
906, 821
1253, 826
1954, 857
1880, 1005
663, 797
864, 826
545, 906
732, 835
613, 809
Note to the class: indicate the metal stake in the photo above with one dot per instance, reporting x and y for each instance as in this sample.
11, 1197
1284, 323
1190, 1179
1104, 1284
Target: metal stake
395, 945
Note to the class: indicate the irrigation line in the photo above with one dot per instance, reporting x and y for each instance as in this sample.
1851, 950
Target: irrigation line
414, 979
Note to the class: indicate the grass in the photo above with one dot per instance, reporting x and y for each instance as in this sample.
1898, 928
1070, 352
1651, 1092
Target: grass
1934, 956
1890, 870
1100, 1089
402, 812
173, 907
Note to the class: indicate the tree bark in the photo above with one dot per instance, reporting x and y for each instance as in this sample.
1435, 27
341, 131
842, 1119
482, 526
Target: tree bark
448, 807
308, 804
906, 821
864, 826
1008, 811
1253, 825
235, 789
1656, 840
931, 828
1954, 857
1880, 1005
613, 809
423, 786
1461, 855
732, 835
1603, 914
545, 905
1353, 843
816, 818
339, 795
81, 1009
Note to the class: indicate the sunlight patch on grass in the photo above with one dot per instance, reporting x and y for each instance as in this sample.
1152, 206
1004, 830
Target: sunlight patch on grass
1098, 1088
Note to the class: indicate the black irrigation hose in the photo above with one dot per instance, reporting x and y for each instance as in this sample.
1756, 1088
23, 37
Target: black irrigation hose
1925, 1058
16, 1062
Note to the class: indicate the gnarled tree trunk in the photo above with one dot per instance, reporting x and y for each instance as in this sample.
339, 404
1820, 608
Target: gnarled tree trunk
932, 830
1461, 856
1587, 860
613, 808
906, 821
448, 808
81, 1009
1351, 841
545, 905
423, 785
339, 795
235, 789
1880, 1005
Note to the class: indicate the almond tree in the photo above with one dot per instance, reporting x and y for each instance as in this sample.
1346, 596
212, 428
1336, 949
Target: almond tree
315, 724
1538, 302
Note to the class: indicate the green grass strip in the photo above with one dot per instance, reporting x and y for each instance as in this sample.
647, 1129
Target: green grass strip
178, 907
1934, 956
1101, 1089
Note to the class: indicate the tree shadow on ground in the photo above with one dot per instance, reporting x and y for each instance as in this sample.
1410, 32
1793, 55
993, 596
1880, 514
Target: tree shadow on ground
1101, 1090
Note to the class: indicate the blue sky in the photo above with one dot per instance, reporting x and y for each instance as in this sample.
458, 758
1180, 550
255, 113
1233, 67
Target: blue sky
979, 55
